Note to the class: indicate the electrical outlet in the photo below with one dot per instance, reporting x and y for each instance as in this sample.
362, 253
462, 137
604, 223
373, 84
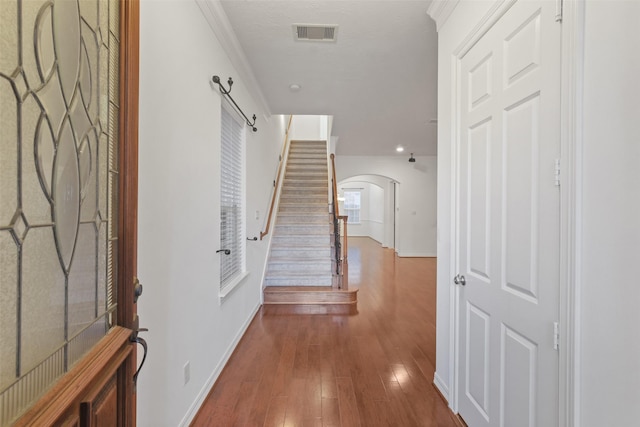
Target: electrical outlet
187, 372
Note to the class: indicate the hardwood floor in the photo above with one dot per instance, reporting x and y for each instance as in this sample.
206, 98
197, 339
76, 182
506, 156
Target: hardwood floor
373, 368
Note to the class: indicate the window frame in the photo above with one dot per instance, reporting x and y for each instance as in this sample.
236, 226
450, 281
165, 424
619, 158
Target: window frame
227, 283
348, 210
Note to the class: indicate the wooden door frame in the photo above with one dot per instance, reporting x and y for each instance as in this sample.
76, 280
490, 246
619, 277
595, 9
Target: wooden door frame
128, 196
114, 354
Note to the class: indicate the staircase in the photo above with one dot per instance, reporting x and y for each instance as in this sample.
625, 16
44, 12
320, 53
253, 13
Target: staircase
299, 274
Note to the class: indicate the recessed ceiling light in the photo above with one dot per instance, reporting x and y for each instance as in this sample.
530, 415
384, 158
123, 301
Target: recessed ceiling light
295, 87
399, 148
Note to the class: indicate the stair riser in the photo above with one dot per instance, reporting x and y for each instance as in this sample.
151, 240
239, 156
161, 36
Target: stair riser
296, 146
309, 144
302, 219
301, 210
308, 179
301, 183
306, 170
268, 281
307, 159
299, 254
306, 166
313, 158
292, 164
308, 297
297, 191
316, 209
289, 199
320, 156
313, 230
298, 266
313, 175
304, 196
322, 152
292, 241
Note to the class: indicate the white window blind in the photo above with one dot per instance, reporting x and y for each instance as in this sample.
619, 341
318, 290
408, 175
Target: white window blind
231, 201
352, 206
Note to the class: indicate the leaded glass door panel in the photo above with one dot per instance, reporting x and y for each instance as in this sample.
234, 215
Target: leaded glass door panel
60, 170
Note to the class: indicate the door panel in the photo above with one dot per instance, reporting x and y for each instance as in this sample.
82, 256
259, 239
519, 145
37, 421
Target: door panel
67, 148
477, 359
101, 410
520, 204
508, 211
518, 373
479, 202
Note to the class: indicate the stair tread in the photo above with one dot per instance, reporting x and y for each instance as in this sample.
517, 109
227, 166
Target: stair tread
297, 214
310, 260
304, 196
297, 275
307, 289
282, 225
306, 203
302, 236
304, 224
301, 248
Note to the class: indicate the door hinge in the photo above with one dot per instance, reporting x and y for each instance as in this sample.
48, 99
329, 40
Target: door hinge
556, 336
559, 10
556, 173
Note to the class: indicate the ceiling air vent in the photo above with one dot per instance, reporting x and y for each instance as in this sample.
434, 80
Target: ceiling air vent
315, 33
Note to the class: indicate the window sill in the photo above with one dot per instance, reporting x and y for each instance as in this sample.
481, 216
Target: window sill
232, 287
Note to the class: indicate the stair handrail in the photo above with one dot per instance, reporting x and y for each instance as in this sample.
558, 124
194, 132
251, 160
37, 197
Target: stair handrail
341, 249
276, 183
336, 212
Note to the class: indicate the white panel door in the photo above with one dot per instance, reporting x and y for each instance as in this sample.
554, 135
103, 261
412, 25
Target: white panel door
508, 213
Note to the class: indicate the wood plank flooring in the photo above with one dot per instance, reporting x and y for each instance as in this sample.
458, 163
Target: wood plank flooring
374, 368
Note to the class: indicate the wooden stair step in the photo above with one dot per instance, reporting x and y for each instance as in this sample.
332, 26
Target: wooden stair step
318, 295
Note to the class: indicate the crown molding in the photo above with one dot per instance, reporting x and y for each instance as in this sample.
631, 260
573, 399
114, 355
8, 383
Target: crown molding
219, 22
440, 10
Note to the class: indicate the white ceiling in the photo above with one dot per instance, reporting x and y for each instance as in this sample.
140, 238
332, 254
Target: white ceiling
378, 80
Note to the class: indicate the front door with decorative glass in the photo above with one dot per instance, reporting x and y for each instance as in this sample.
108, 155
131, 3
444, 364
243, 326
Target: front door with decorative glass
68, 114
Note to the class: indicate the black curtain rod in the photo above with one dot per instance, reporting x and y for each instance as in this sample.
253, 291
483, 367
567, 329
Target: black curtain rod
227, 93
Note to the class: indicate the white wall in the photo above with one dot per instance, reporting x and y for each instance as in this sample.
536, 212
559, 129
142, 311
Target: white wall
376, 212
179, 210
372, 209
416, 214
610, 365
309, 128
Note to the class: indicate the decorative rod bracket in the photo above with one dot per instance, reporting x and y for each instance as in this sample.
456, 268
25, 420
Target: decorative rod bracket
227, 93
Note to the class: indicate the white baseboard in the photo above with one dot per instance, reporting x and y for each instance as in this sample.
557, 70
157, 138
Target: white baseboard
204, 392
441, 386
416, 255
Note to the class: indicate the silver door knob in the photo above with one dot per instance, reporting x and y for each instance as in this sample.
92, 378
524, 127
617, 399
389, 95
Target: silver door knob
459, 280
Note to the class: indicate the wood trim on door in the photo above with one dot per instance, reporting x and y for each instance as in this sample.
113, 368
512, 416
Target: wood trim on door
128, 212
84, 396
62, 402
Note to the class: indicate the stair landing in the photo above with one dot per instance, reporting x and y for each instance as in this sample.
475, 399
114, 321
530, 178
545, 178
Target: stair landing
310, 300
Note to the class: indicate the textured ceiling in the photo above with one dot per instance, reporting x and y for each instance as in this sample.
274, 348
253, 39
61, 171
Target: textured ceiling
378, 80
